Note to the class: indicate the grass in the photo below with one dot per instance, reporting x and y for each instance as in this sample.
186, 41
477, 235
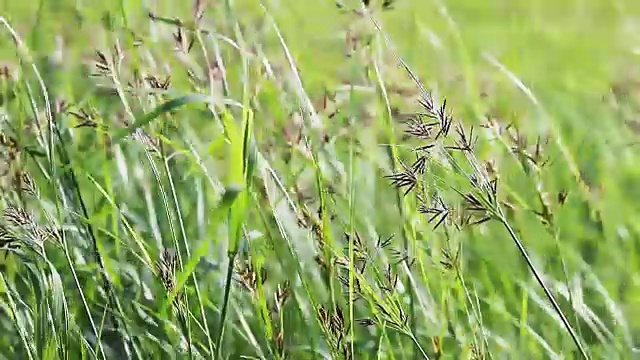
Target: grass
286, 180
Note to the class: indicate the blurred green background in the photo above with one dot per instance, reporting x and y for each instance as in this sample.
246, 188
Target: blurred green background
565, 74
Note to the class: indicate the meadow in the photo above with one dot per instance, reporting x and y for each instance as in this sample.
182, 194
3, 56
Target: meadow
381, 179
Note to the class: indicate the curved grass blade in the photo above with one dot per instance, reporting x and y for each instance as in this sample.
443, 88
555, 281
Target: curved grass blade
163, 108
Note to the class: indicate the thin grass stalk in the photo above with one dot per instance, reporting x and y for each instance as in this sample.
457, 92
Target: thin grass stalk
235, 237
225, 303
419, 347
82, 298
392, 154
245, 152
545, 288
188, 253
174, 238
290, 247
460, 278
62, 346
14, 317
261, 307
352, 236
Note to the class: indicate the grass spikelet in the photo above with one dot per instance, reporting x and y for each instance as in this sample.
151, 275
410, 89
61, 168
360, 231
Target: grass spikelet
17, 216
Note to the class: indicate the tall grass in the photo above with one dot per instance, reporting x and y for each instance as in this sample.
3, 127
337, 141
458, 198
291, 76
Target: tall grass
251, 181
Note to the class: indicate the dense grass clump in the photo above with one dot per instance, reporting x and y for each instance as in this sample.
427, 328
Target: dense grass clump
302, 180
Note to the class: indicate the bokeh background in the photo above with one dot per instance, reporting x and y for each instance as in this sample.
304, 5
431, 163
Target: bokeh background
235, 219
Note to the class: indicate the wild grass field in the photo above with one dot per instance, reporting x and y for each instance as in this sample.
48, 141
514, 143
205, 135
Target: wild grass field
205, 179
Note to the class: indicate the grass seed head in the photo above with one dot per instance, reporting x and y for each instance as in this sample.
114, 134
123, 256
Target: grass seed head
7, 238
283, 292
27, 184
247, 275
167, 269
18, 217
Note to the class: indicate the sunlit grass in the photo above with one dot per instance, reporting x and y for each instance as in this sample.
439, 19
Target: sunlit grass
253, 189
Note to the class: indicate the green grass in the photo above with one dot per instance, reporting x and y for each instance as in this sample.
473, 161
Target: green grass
254, 206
